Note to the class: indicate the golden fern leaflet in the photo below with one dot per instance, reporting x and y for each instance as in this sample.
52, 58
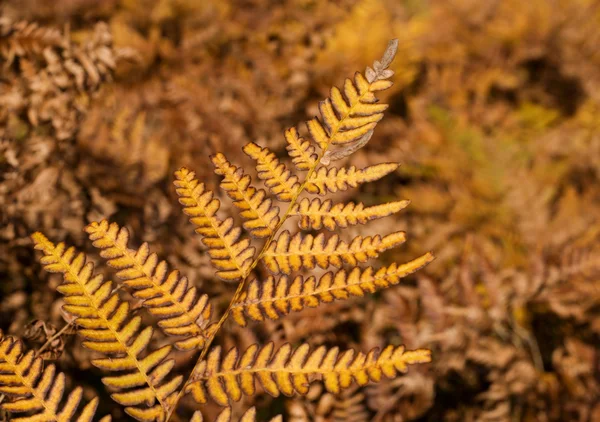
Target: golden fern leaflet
38, 391
182, 312
332, 180
225, 416
275, 174
290, 253
107, 327
232, 257
262, 218
315, 214
273, 299
349, 118
290, 371
301, 151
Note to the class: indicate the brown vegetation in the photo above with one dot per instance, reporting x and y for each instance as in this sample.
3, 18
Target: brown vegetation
494, 119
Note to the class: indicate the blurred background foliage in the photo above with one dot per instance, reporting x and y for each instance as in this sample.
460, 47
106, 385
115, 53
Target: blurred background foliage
495, 118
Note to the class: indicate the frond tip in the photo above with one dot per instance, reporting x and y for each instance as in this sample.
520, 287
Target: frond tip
271, 299
290, 253
36, 390
178, 306
349, 116
290, 371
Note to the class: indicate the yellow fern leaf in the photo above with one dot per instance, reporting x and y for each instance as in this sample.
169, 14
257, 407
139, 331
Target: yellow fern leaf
106, 326
225, 416
273, 299
290, 371
182, 312
232, 257
350, 117
36, 390
290, 253
316, 214
277, 177
326, 180
262, 218
300, 150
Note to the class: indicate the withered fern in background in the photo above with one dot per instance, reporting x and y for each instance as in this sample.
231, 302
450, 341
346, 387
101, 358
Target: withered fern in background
109, 325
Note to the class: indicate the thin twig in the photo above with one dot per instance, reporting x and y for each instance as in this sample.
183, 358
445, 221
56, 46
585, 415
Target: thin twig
51, 339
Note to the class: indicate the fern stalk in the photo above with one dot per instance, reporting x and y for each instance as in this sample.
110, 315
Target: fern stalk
244, 279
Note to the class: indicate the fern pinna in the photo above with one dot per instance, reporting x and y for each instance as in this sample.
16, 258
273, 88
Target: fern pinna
110, 326
37, 390
107, 327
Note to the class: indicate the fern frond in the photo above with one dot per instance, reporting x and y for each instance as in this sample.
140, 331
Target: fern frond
350, 117
260, 215
290, 253
326, 180
107, 328
36, 390
273, 299
290, 371
225, 416
300, 150
232, 257
25, 38
277, 177
316, 214
171, 298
